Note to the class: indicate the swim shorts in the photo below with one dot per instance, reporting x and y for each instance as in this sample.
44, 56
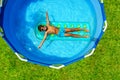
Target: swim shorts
61, 32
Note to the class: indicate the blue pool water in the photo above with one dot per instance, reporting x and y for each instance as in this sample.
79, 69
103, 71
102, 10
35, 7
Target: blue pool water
59, 11
28, 15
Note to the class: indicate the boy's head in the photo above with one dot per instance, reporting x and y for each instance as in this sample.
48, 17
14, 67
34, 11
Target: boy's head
42, 28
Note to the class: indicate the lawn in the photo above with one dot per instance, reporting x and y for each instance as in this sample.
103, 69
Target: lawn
103, 65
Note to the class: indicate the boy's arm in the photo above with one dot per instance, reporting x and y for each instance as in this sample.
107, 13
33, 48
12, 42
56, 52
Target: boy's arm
47, 19
43, 40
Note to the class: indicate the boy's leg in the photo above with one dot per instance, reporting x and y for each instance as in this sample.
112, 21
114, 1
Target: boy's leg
75, 29
75, 35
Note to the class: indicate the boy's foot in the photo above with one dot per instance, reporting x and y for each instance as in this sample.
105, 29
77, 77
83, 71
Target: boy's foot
86, 36
86, 30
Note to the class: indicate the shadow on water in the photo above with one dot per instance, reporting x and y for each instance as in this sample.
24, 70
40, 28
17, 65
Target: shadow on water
51, 41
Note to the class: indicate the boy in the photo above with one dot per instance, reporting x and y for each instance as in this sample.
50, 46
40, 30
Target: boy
61, 32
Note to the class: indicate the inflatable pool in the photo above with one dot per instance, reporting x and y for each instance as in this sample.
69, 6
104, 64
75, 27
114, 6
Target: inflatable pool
19, 18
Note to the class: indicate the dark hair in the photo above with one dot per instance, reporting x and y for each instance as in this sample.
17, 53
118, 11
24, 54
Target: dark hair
39, 27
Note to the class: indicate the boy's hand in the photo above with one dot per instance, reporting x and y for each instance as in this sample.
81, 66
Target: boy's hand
39, 47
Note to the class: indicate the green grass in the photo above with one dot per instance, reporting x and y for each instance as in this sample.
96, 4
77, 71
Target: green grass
103, 65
